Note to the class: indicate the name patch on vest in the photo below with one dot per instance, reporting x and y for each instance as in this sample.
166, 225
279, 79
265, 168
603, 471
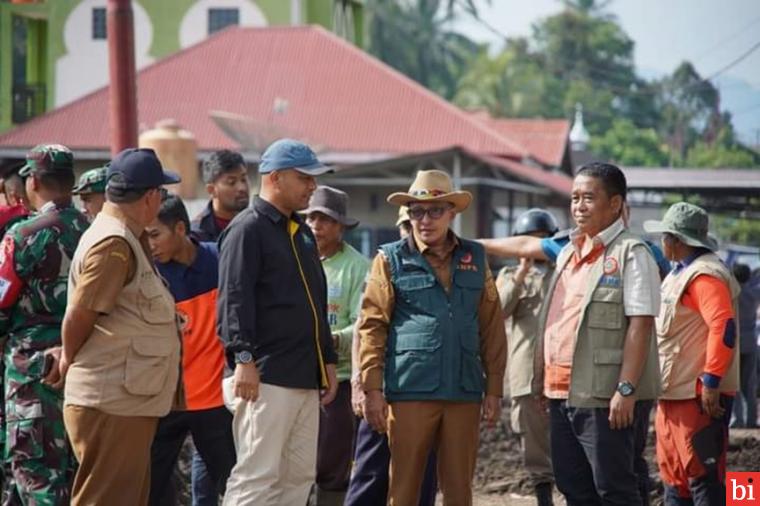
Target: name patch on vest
611, 281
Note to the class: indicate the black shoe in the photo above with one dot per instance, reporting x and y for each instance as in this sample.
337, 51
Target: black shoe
544, 494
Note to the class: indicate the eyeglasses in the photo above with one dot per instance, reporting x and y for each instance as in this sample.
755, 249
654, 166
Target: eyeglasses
435, 213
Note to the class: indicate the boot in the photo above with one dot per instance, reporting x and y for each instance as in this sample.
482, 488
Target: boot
544, 494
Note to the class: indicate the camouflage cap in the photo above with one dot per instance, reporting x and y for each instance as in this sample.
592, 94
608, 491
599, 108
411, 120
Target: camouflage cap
92, 181
687, 222
48, 158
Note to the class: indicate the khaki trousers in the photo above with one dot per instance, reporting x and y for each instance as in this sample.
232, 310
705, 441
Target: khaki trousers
113, 454
452, 429
531, 421
276, 444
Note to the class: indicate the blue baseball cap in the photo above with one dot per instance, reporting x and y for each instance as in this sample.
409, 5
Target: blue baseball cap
290, 154
137, 169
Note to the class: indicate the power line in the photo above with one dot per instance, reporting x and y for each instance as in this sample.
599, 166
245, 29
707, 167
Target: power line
735, 62
613, 74
731, 37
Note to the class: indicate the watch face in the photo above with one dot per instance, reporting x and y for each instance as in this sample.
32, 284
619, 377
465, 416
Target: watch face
244, 357
625, 389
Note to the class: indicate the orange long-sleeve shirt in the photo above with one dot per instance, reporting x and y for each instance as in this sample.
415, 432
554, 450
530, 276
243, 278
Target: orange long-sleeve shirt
711, 298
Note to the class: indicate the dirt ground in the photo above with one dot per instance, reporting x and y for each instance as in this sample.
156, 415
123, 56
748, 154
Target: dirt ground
500, 479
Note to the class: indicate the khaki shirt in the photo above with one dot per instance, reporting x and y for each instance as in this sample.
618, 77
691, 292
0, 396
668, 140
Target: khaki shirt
522, 305
377, 310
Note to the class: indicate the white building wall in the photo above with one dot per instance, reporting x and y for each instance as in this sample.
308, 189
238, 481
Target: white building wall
194, 27
84, 67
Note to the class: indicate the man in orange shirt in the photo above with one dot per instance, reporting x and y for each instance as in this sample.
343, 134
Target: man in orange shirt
599, 351
191, 269
696, 335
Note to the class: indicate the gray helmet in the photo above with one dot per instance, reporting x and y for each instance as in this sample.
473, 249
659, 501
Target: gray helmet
535, 220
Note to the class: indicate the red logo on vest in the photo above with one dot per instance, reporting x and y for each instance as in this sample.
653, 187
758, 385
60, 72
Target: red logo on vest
743, 489
466, 258
610, 266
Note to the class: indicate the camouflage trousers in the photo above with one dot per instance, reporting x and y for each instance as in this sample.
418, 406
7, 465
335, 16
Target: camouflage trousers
38, 457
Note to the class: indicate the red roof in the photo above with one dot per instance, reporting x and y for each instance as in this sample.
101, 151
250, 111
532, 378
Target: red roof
545, 139
303, 80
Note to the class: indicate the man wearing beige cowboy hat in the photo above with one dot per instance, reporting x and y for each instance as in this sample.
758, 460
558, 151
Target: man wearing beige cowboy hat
345, 270
432, 344
696, 338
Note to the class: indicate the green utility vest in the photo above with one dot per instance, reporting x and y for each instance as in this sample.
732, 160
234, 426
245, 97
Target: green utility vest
598, 355
433, 346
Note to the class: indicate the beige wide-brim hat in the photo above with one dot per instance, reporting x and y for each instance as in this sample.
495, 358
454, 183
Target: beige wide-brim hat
432, 186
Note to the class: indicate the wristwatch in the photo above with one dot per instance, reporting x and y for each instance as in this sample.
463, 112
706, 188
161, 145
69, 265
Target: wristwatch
626, 388
243, 357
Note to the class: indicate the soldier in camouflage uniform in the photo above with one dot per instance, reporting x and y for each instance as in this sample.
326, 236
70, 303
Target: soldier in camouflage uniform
34, 264
14, 210
92, 191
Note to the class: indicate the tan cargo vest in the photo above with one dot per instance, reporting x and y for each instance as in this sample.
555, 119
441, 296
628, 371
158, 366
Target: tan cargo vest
598, 355
130, 364
682, 333
522, 304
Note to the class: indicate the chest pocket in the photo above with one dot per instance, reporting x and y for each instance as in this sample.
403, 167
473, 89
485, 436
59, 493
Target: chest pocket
153, 301
416, 289
605, 310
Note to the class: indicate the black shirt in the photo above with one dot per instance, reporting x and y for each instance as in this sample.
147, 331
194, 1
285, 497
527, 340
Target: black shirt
264, 305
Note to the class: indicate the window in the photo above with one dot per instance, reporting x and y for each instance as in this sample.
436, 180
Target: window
218, 19
99, 23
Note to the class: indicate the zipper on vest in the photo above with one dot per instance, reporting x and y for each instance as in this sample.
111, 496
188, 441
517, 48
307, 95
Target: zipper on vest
292, 229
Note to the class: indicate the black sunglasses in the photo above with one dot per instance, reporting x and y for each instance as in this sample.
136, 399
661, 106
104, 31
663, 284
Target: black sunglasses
419, 212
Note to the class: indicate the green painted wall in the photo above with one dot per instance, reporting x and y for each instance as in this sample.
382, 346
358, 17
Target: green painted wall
47, 20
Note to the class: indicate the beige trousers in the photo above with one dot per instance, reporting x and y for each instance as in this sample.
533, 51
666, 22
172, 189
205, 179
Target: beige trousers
531, 421
276, 444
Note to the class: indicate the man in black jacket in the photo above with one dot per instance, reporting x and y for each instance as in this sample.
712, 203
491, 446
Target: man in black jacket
272, 317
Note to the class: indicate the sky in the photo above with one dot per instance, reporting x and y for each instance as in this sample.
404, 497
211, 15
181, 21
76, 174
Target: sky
709, 33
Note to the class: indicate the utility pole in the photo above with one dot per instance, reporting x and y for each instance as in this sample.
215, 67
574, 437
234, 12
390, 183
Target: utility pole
122, 77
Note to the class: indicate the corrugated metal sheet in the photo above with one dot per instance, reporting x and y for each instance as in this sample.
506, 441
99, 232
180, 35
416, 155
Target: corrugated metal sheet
302, 80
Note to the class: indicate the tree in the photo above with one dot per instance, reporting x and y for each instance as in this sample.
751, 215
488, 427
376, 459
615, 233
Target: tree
625, 144
690, 109
511, 83
415, 38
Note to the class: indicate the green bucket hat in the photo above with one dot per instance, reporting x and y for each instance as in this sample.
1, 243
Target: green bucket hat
687, 222
92, 181
48, 158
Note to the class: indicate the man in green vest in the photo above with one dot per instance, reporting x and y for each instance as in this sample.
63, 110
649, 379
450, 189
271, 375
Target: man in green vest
599, 350
432, 344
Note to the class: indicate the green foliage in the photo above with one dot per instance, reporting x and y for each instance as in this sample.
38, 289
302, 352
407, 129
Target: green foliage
717, 156
625, 144
579, 55
415, 38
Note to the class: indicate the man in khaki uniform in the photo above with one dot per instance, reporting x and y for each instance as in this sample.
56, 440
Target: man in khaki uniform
121, 341
522, 290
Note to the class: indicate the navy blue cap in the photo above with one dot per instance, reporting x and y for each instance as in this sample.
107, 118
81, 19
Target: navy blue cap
290, 154
137, 169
